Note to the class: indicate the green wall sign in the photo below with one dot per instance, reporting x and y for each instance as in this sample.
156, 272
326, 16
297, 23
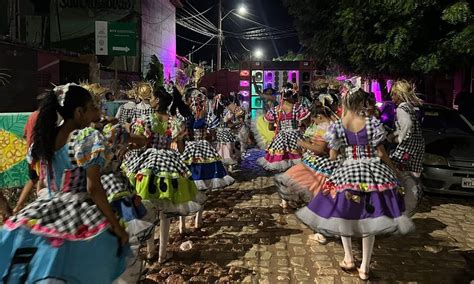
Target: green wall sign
116, 39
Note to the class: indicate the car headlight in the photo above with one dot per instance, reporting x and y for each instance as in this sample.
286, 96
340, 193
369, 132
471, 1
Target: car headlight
434, 160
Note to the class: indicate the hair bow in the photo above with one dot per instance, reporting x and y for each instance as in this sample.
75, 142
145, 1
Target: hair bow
60, 92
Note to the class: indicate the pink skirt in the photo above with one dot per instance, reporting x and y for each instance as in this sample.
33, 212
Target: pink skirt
299, 183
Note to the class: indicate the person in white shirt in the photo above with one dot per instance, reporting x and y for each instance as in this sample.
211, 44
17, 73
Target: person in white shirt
408, 136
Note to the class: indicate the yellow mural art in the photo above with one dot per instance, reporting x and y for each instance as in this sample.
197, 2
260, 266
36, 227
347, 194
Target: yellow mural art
13, 150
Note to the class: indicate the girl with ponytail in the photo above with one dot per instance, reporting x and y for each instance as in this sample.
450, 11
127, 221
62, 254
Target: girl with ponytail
74, 225
157, 171
353, 200
284, 152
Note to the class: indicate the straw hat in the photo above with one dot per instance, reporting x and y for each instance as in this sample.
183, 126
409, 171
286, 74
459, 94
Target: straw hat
143, 90
95, 89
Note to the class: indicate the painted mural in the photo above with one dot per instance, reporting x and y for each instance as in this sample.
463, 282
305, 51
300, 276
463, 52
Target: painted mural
13, 150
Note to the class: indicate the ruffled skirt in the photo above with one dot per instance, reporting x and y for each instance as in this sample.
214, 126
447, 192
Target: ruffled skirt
205, 164
283, 152
361, 198
164, 179
127, 204
263, 136
64, 216
299, 184
97, 260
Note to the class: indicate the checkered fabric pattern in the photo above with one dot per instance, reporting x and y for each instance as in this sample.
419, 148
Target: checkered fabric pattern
409, 153
225, 135
115, 183
285, 141
132, 161
361, 165
129, 112
321, 164
69, 213
212, 121
160, 141
63, 214
75, 179
164, 161
126, 114
370, 172
200, 149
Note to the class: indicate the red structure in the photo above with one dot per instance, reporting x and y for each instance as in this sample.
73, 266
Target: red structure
225, 81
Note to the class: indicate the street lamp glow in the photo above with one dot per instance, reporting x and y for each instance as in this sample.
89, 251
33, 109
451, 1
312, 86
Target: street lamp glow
242, 10
258, 53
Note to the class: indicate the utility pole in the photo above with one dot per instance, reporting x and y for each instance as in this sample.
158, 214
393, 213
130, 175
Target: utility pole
219, 36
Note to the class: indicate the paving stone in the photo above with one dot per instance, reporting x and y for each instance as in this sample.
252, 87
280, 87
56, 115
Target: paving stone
248, 238
325, 280
282, 262
266, 255
282, 253
297, 261
300, 250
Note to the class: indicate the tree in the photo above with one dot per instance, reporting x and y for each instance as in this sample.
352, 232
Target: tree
397, 38
155, 72
291, 56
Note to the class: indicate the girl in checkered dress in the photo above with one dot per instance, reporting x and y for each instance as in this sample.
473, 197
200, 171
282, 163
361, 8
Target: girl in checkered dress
302, 181
157, 171
204, 162
362, 197
72, 233
140, 107
410, 144
225, 136
284, 152
410, 149
231, 131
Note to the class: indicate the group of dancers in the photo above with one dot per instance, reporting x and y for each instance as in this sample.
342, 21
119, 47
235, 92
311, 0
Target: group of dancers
105, 184
331, 164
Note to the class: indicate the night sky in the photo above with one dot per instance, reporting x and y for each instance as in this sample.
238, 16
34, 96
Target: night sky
272, 11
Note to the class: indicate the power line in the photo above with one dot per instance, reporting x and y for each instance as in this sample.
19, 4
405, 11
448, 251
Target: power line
198, 15
204, 44
193, 41
196, 10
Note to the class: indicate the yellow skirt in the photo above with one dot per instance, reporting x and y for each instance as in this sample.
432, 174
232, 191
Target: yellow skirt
263, 135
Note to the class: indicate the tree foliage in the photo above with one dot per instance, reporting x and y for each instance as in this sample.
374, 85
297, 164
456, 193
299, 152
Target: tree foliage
290, 56
386, 37
155, 72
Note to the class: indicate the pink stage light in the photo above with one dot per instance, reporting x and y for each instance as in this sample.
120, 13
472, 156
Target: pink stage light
389, 85
375, 88
244, 83
244, 73
244, 93
293, 74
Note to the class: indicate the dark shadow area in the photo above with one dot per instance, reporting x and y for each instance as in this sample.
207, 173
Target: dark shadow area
418, 257
431, 200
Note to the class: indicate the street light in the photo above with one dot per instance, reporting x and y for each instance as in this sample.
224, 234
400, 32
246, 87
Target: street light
220, 39
258, 53
242, 10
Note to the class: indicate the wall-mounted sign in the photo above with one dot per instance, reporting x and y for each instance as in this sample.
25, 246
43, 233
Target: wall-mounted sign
115, 39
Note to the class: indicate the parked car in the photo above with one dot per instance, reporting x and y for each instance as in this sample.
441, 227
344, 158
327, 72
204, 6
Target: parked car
449, 157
